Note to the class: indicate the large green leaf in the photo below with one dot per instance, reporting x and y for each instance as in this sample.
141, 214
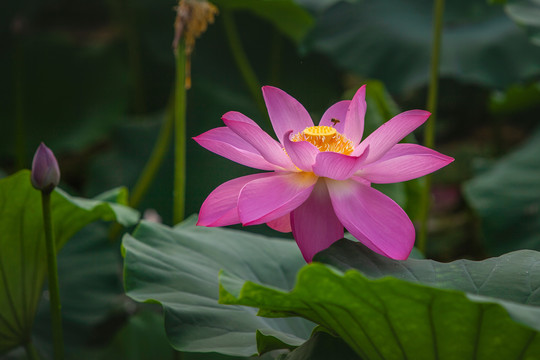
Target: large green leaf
179, 268
390, 40
286, 15
510, 277
390, 318
22, 257
507, 199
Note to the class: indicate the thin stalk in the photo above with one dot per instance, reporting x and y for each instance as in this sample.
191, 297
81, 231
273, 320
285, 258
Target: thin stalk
241, 59
429, 129
54, 289
179, 134
31, 352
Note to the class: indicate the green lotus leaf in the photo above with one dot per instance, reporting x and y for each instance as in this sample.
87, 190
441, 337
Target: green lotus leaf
389, 318
178, 268
22, 246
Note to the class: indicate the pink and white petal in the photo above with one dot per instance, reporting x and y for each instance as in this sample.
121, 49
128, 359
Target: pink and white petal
314, 224
267, 199
354, 121
337, 111
247, 129
373, 218
302, 153
285, 112
223, 141
391, 132
338, 166
404, 162
281, 224
221, 207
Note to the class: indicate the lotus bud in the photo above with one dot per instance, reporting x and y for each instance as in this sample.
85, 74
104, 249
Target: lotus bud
45, 170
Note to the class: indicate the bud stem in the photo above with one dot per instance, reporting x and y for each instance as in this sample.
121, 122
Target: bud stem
54, 290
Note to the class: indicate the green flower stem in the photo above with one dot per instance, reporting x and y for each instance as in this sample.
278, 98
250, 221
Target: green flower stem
52, 268
179, 134
241, 59
429, 129
31, 352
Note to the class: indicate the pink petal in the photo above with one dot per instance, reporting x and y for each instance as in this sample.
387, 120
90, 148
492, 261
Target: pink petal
285, 112
338, 166
302, 153
404, 162
281, 224
248, 130
391, 132
223, 141
373, 218
220, 207
337, 111
267, 199
354, 121
314, 223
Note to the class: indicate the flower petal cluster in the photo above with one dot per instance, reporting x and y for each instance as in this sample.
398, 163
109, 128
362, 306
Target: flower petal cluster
318, 178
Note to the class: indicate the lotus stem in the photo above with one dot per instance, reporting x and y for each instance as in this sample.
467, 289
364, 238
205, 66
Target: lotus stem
52, 267
429, 129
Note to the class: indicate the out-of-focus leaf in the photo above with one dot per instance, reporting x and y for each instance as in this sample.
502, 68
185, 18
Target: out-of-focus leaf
527, 14
22, 259
507, 199
390, 40
389, 318
286, 15
515, 99
179, 268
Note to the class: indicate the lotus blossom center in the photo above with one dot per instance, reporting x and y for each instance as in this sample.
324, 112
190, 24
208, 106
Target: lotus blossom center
325, 138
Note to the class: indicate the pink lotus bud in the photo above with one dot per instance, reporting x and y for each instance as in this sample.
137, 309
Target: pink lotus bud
45, 171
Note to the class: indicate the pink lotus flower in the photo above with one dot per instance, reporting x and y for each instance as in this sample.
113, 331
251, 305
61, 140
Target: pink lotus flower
320, 176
